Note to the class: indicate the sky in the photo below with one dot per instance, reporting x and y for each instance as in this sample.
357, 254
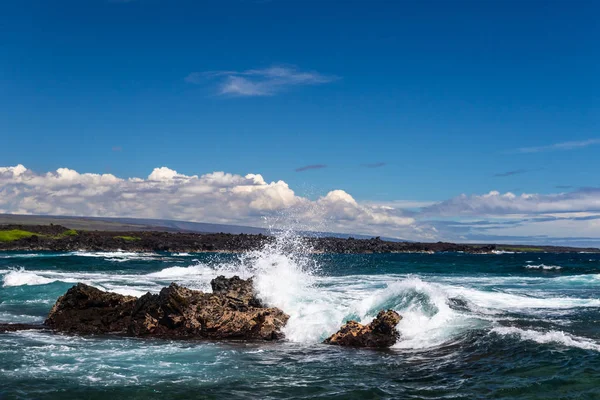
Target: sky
461, 121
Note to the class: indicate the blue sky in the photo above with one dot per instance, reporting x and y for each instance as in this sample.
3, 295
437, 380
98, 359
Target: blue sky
395, 101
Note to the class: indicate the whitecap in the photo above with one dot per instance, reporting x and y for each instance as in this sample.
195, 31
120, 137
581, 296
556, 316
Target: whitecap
21, 277
544, 267
546, 337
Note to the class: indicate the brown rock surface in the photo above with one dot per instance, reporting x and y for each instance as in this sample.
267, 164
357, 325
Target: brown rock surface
87, 310
231, 311
381, 332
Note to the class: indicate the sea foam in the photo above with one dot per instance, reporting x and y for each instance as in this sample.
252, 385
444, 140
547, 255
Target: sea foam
549, 337
544, 267
21, 277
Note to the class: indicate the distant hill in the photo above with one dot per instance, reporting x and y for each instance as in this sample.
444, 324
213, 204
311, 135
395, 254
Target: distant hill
143, 224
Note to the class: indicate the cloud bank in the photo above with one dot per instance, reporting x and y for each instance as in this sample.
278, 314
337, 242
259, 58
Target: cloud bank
571, 218
216, 197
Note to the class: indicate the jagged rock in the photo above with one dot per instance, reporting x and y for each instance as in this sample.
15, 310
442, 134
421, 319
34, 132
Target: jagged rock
237, 290
87, 310
381, 332
231, 311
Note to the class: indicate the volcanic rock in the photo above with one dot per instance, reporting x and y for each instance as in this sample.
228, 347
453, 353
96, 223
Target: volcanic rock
232, 311
87, 310
381, 332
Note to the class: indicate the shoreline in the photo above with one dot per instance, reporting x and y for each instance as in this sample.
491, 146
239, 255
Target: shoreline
56, 238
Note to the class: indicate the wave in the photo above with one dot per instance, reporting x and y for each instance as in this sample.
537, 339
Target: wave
558, 337
522, 302
544, 267
118, 256
184, 272
28, 255
427, 318
22, 277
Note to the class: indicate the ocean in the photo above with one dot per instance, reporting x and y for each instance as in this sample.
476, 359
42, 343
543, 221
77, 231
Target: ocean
475, 326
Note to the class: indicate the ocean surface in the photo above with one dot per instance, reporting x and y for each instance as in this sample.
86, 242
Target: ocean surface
497, 326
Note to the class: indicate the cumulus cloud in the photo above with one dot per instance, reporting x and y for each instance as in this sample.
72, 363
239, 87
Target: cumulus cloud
216, 197
259, 82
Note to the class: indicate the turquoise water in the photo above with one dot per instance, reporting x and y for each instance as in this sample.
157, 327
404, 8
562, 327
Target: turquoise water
501, 326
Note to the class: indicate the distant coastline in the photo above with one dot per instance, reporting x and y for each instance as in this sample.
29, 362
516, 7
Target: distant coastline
57, 238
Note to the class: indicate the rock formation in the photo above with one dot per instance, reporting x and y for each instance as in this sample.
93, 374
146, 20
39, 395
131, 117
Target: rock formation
231, 311
381, 332
87, 310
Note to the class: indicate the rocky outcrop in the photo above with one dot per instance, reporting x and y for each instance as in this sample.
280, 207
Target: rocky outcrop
87, 310
232, 311
381, 332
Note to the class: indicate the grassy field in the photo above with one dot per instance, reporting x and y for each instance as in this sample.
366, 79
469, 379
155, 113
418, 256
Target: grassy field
17, 234
521, 249
128, 238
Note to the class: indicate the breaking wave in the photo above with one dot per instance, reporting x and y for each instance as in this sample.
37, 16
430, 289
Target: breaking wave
22, 277
549, 337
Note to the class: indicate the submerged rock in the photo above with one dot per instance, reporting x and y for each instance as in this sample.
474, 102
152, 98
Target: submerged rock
381, 332
231, 311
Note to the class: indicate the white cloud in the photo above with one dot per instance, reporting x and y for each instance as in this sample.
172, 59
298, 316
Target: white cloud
216, 197
220, 197
495, 204
560, 146
260, 82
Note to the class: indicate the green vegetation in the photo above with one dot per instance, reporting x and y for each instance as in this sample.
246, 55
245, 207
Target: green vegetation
521, 249
128, 238
15, 234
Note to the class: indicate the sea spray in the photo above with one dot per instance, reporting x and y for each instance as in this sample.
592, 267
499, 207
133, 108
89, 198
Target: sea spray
284, 272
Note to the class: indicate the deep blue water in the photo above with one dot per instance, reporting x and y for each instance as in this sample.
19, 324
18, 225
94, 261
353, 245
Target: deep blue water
502, 326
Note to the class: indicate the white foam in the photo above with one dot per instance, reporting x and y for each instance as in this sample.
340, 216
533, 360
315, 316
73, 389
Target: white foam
26, 255
22, 277
549, 337
183, 272
427, 319
284, 277
126, 291
511, 302
118, 256
543, 266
